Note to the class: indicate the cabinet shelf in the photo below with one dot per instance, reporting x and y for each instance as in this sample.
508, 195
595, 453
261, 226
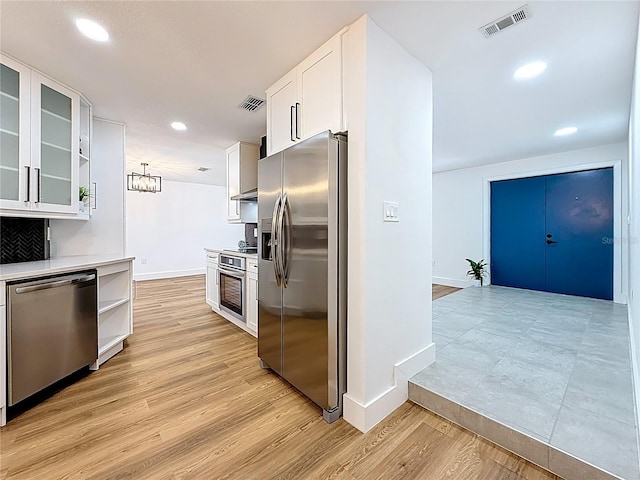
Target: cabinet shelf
11, 169
64, 149
83, 158
107, 305
106, 343
6, 95
55, 115
55, 177
9, 132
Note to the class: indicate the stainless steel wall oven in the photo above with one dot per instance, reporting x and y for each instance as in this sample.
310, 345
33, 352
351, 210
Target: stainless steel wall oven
232, 271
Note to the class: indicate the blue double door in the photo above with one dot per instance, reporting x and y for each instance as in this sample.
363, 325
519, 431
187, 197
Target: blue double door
554, 233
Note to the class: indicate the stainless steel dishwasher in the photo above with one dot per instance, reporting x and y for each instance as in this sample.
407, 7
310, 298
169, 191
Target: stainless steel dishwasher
52, 331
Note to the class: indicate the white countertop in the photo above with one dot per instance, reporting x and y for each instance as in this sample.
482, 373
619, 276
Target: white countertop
16, 271
232, 252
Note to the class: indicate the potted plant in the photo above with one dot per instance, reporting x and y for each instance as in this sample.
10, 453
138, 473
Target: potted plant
83, 195
476, 271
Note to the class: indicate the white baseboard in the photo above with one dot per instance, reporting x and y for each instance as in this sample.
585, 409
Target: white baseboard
366, 416
139, 277
451, 282
634, 368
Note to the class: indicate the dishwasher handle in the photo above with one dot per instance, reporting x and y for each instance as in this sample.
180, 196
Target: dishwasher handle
56, 283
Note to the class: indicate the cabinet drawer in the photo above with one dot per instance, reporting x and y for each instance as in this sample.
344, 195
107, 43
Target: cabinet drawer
212, 258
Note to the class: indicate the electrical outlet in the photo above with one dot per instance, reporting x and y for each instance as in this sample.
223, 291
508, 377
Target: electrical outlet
143, 261
390, 212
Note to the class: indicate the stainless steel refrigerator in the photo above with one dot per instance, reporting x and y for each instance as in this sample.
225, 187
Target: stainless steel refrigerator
302, 231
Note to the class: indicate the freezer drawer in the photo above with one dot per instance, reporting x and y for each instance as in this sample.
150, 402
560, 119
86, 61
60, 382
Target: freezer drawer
52, 331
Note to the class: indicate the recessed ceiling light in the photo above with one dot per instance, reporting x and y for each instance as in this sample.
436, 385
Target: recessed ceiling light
178, 126
92, 30
565, 131
530, 70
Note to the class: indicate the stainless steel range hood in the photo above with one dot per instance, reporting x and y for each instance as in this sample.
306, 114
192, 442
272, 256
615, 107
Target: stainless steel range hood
248, 196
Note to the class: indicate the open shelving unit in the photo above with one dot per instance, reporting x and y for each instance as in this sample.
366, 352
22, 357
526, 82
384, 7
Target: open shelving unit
115, 316
84, 154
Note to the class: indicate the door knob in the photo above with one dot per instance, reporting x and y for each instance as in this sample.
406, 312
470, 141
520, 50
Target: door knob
549, 242
549, 235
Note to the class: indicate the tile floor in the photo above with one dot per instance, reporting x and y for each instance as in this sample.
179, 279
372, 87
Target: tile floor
554, 368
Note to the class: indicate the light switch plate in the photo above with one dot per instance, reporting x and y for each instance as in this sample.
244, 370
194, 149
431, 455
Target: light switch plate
390, 212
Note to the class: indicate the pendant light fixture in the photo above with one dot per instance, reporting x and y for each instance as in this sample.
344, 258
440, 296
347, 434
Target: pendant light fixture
144, 182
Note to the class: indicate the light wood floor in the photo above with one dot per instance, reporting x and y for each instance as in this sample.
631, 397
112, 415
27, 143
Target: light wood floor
439, 291
187, 400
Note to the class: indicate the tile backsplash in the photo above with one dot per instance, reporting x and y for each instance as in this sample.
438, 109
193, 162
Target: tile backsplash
251, 234
23, 239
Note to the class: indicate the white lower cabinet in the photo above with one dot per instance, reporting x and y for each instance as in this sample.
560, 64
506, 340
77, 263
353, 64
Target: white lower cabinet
115, 316
3, 356
115, 309
212, 289
252, 295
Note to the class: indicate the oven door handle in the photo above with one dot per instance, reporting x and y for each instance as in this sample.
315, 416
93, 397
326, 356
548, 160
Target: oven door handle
231, 273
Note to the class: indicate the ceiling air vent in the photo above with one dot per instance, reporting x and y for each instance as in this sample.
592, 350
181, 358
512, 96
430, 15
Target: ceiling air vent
517, 16
251, 103
203, 169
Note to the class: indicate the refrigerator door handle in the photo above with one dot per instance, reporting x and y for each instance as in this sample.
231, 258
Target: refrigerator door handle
286, 238
280, 249
274, 238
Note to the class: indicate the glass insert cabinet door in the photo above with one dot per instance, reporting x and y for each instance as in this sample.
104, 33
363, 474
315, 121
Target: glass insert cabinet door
54, 146
14, 134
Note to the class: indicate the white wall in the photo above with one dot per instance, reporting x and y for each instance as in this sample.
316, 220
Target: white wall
634, 227
104, 234
461, 209
170, 229
388, 99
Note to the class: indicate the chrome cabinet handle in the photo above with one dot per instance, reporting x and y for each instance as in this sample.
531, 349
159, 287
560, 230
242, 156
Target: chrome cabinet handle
39, 183
28, 183
291, 114
95, 196
297, 123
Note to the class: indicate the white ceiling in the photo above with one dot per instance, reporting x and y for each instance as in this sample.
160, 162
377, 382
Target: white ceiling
196, 61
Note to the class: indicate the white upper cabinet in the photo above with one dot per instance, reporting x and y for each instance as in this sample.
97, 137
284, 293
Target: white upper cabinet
55, 127
242, 176
281, 102
308, 100
15, 140
320, 91
40, 128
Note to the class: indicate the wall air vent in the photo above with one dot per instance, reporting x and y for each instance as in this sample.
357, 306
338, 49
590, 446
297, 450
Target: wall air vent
203, 169
517, 16
251, 103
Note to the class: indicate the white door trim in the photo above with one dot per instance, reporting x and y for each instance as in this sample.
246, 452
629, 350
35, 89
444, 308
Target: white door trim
618, 295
